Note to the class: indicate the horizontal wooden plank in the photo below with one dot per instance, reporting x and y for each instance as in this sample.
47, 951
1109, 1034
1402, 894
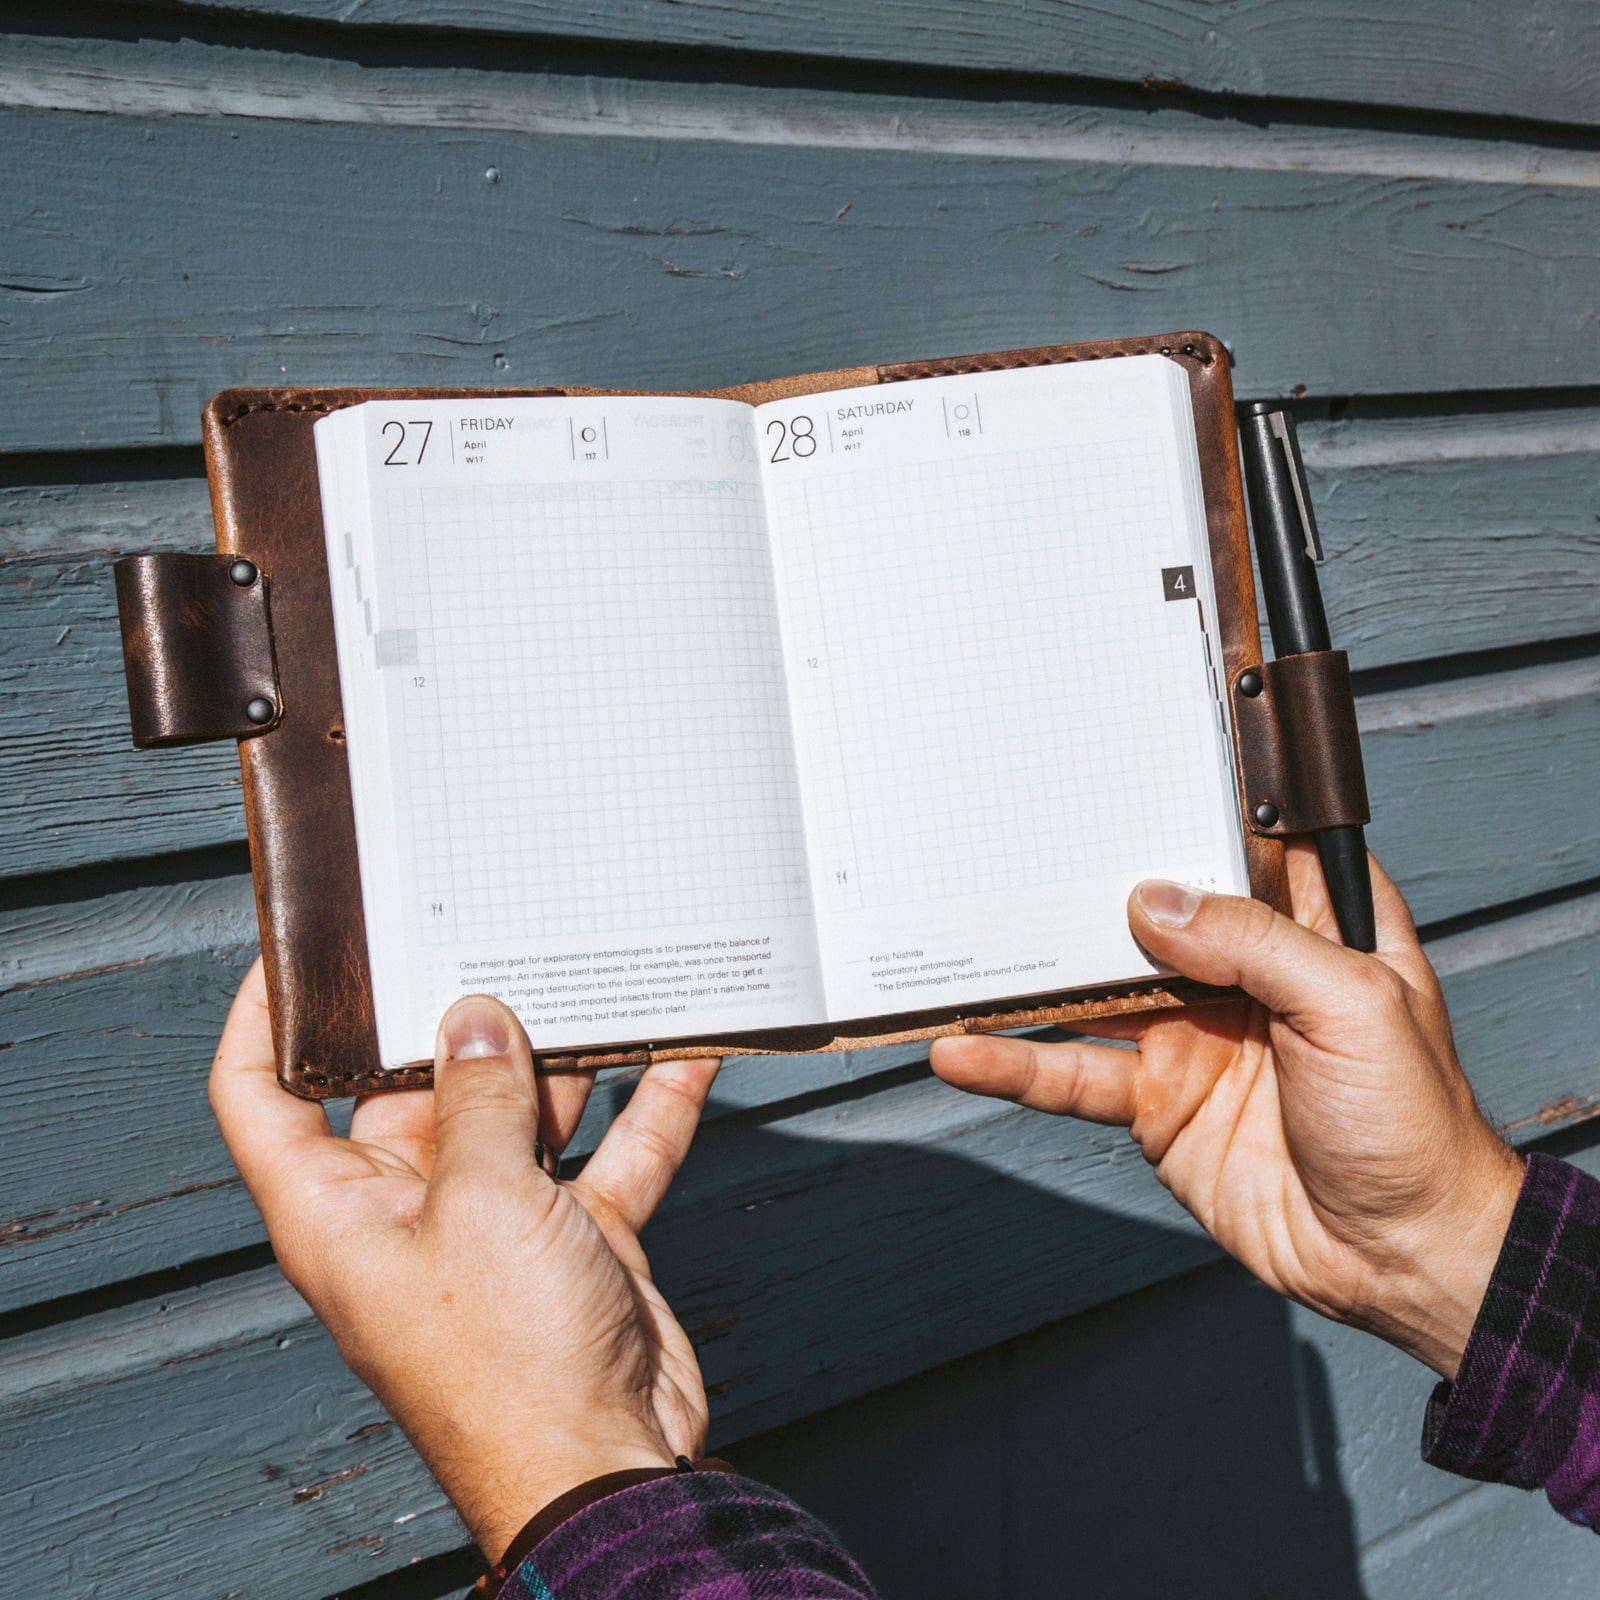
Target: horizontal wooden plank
299, 1513
1452, 534
1372, 1403
72, 788
1494, 761
816, 1256
117, 1002
1297, 1455
123, 997
94, 523
1544, 963
1490, 1541
101, 1191
829, 232
1499, 978
289, 1434
187, 77
1445, 536
1494, 765
1295, 1469
110, 1011
1522, 61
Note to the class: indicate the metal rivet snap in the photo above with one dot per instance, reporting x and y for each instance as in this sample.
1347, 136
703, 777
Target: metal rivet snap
1250, 684
262, 710
243, 573
1266, 814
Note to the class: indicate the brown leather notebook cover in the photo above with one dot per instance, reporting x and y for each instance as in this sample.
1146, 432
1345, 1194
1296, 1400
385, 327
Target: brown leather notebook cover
276, 635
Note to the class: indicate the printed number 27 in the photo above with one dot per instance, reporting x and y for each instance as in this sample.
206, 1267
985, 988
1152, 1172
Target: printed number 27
396, 456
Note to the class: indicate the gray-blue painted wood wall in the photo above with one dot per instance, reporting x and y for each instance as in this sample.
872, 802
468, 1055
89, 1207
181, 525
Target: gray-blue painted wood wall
986, 1344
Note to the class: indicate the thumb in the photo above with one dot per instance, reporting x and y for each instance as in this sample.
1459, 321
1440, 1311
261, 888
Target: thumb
485, 1105
1227, 939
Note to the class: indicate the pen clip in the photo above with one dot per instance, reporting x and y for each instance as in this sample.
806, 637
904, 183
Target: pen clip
1281, 424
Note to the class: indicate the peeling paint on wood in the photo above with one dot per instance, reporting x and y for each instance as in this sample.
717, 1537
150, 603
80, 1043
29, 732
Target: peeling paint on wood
415, 297
845, 1222
970, 1223
1475, 763
1521, 60
1505, 549
191, 79
116, 1168
109, 1011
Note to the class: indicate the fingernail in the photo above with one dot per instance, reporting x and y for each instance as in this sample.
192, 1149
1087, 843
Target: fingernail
1168, 905
473, 1028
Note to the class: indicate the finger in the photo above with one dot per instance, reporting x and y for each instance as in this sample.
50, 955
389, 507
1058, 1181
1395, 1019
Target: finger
401, 1119
1397, 941
1092, 1081
642, 1150
562, 1097
485, 1105
1397, 930
267, 1130
1127, 1025
1136, 1026
1308, 889
1227, 939
406, 1119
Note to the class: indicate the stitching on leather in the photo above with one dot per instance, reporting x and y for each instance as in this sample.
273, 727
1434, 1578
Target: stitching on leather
271, 405
405, 1077
930, 369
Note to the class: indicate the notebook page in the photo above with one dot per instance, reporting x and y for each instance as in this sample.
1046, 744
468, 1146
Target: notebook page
568, 733
995, 591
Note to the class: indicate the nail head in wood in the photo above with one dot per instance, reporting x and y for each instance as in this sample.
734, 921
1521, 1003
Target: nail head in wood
243, 573
261, 710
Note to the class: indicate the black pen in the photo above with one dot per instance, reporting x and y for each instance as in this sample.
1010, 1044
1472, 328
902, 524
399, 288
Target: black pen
1288, 545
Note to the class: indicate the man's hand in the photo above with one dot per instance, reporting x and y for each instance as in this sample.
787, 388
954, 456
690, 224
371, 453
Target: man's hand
506, 1321
1323, 1133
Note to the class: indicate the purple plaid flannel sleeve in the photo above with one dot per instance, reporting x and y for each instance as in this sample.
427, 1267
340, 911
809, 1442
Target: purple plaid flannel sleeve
1525, 1406
690, 1536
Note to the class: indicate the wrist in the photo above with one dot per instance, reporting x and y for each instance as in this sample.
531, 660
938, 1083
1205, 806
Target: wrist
1428, 1303
496, 1497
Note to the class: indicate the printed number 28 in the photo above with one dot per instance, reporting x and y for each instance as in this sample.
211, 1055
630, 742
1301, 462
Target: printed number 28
798, 436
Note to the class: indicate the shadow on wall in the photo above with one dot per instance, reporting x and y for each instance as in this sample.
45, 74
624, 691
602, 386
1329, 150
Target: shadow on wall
1175, 1442
1179, 1441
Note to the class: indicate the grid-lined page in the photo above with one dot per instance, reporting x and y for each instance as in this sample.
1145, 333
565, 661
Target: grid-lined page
566, 715
995, 600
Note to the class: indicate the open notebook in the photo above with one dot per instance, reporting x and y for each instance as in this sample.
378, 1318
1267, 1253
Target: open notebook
675, 716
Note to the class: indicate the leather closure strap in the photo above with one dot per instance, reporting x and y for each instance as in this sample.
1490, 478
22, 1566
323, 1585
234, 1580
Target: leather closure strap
196, 648
1299, 749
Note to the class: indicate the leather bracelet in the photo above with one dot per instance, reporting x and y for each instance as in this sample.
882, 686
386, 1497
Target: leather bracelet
545, 1522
